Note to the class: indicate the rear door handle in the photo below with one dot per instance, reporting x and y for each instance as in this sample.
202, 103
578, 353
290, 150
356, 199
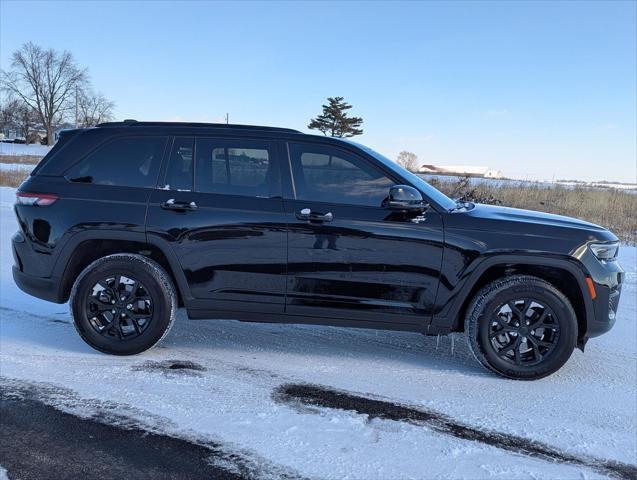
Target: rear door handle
308, 215
171, 204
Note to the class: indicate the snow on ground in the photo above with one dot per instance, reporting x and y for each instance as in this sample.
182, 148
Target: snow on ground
16, 166
22, 149
588, 408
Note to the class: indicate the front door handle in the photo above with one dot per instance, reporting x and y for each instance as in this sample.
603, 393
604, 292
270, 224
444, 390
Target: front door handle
171, 204
308, 215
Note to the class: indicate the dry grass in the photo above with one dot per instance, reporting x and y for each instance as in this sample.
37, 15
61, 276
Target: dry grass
24, 159
13, 177
613, 209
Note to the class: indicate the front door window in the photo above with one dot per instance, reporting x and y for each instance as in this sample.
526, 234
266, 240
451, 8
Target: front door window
325, 174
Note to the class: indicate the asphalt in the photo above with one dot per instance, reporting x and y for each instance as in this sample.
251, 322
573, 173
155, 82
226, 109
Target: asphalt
38, 441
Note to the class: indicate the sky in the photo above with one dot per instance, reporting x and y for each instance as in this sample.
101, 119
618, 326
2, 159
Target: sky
539, 90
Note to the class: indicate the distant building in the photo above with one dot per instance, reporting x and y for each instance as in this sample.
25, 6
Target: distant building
461, 170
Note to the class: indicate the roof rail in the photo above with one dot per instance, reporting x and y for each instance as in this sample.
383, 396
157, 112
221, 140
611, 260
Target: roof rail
135, 123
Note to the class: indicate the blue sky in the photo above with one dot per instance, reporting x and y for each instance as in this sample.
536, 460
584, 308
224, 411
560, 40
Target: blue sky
539, 90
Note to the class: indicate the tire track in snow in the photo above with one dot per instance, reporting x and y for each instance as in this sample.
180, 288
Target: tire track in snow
296, 394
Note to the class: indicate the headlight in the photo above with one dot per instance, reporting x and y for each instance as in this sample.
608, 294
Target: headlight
605, 251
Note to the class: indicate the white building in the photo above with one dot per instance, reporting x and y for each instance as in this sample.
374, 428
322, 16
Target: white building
461, 170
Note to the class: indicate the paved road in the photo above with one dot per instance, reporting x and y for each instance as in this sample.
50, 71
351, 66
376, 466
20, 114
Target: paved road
39, 442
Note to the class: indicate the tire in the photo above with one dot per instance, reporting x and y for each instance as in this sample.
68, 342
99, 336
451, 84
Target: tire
501, 342
123, 304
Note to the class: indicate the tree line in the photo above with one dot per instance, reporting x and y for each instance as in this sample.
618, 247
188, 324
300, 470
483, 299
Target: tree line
46, 89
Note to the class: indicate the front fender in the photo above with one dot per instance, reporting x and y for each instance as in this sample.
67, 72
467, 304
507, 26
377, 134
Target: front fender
454, 293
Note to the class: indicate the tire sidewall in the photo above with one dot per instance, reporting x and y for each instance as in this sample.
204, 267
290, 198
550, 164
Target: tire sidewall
163, 307
540, 291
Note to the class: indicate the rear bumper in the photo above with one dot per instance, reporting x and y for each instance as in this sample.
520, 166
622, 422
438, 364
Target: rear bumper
44, 288
38, 282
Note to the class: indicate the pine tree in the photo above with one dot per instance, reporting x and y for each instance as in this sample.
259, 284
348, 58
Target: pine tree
334, 120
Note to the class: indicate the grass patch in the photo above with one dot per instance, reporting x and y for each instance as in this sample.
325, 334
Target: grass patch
13, 177
23, 159
613, 209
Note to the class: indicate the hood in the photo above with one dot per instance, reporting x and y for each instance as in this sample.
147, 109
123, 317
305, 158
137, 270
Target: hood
527, 222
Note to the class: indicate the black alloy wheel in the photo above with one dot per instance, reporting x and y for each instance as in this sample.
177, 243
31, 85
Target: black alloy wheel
521, 327
119, 306
123, 304
524, 331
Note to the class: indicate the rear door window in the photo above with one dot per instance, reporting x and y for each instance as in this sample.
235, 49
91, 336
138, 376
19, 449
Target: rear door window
236, 167
125, 162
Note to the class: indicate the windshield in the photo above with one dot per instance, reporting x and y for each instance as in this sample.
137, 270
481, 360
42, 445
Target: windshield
430, 192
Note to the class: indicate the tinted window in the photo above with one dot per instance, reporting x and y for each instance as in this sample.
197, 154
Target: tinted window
325, 174
429, 191
179, 173
236, 167
127, 161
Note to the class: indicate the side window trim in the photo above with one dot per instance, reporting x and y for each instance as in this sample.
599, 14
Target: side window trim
163, 166
168, 152
291, 170
161, 179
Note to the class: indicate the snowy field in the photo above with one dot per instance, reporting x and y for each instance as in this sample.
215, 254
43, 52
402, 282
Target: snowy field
22, 149
242, 385
16, 166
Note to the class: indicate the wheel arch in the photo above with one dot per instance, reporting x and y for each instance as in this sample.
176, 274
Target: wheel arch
563, 274
86, 247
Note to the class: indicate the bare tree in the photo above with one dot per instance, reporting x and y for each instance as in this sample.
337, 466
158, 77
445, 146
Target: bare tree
408, 160
93, 108
46, 80
27, 119
18, 116
8, 111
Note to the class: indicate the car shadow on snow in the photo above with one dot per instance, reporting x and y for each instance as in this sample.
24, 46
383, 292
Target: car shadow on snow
342, 344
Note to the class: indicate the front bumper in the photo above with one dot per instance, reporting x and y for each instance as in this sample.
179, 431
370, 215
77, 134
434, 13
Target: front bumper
607, 278
605, 308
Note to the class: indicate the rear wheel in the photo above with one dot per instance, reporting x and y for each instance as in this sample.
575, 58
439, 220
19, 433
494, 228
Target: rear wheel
521, 327
123, 304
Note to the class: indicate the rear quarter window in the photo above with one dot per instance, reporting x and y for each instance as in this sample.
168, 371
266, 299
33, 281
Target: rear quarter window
124, 162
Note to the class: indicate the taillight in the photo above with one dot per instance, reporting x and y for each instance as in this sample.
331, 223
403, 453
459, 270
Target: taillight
37, 199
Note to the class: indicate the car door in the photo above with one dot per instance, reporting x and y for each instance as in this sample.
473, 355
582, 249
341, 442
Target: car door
219, 208
348, 256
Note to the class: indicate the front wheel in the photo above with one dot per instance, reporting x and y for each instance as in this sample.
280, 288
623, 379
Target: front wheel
123, 304
521, 327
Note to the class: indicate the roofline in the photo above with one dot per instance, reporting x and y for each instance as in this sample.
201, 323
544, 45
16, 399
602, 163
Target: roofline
231, 126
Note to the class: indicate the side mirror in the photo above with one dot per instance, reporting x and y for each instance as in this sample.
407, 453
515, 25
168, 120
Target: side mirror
404, 197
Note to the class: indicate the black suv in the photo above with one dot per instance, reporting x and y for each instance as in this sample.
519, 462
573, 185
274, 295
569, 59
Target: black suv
131, 220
